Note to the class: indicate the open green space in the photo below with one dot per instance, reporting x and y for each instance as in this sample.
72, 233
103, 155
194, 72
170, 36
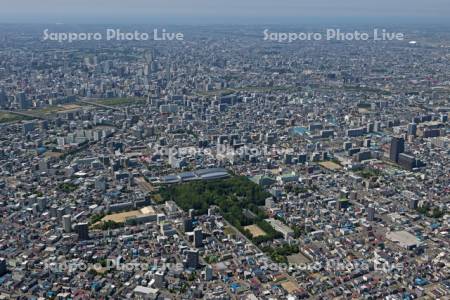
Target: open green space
118, 101
280, 254
67, 187
255, 89
431, 211
369, 173
237, 197
7, 118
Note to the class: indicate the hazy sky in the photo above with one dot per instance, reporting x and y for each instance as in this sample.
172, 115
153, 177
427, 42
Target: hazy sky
94, 11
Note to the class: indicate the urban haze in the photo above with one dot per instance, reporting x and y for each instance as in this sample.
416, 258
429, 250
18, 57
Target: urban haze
225, 149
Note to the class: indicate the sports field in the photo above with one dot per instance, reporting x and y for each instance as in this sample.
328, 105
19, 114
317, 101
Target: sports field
255, 230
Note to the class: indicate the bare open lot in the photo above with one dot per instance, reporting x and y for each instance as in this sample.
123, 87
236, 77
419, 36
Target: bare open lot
330, 165
290, 286
123, 216
255, 230
298, 259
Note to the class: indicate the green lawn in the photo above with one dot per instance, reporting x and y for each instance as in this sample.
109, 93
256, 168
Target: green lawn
7, 117
118, 101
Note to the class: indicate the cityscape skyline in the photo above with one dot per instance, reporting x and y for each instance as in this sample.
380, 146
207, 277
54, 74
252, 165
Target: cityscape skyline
240, 150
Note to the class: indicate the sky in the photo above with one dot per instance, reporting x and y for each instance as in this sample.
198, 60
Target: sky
219, 11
